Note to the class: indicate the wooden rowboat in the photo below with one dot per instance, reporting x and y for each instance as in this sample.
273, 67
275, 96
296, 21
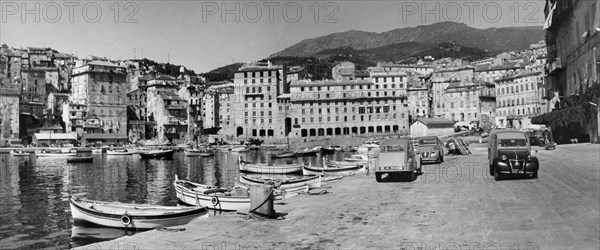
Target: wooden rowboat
263, 168
357, 158
216, 198
81, 159
132, 216
56, 154
329, 170
286, 154
157, 154
18, 153
119, 152
198, 152
282, 183
280, 194
308, 152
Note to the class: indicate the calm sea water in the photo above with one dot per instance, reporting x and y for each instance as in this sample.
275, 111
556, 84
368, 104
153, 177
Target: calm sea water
34, 206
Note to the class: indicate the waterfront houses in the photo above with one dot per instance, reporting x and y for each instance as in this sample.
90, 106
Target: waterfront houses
349, 107
572, 38
9, 113
518, 98
99, 109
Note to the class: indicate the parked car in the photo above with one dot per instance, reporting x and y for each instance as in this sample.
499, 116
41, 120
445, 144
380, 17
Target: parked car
430, 148
396, 157
509, 152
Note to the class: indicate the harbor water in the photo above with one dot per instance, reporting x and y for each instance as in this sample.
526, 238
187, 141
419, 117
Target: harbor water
35, 211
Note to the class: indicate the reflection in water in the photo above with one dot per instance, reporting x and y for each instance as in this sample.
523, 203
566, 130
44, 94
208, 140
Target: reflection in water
35, 211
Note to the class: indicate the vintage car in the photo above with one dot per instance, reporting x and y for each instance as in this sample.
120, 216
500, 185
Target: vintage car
430, 148
509, 152
396, 157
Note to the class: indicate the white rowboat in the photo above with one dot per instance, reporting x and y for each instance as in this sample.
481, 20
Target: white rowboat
132, 216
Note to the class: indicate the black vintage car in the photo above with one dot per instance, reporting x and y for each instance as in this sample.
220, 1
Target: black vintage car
509, 152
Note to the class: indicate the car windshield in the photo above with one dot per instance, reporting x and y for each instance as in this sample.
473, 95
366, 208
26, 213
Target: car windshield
427, 141
512, 143
393, 148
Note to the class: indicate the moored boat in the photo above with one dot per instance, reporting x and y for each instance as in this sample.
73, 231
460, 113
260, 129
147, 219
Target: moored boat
198, 152
239, 149
18, 153
285, 154
157, 154
263, 168
308, 151
80, 159
96, 151
55, 154
132, 216
278, 193
119, 152
282, 183
216, 198
332, 170
327, 150
357, 158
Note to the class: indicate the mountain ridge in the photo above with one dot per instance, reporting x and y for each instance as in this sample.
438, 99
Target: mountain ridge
491, 39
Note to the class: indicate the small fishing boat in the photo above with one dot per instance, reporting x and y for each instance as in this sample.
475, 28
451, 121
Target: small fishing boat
121, 151
253, 147
327, 150
285, 154
97, 151
357, 158
132, 216
239, 149
281, 182
349, 149
198, 152
80, 159
337, 148
332, 170
18, 153
308, 151
278, 193
157, 154
54, 154
216, 198
263, 168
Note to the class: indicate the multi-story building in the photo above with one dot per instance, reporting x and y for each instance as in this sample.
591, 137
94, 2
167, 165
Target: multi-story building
101, 88
420, 69
491, 73
572, 40
350, 107
34, 85
518, 98
467, 101
418, 101
216, 100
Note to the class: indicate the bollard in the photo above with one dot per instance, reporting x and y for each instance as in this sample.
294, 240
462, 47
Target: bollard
261, 200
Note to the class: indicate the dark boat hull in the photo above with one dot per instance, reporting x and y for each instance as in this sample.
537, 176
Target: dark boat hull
159, 155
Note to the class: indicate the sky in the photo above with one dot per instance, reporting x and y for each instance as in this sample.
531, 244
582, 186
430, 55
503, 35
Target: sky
204, 35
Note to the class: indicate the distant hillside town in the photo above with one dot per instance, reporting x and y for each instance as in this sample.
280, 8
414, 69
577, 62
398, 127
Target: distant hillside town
46, 93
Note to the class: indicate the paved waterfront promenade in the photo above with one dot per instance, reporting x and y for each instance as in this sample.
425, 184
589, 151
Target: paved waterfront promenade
455, 205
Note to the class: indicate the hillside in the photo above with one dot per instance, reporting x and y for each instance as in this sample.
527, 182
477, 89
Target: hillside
491, 39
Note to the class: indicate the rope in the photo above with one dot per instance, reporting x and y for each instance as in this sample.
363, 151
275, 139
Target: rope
265, 201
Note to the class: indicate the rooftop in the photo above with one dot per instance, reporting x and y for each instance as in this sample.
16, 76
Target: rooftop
436, 122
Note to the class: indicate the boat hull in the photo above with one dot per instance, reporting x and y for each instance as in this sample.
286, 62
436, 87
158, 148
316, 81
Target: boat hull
110, 152
311, 181
81, 159
168, 154
223, 203
284, 155
339, 171
56, 154
13, 153
79, 211
268, 169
